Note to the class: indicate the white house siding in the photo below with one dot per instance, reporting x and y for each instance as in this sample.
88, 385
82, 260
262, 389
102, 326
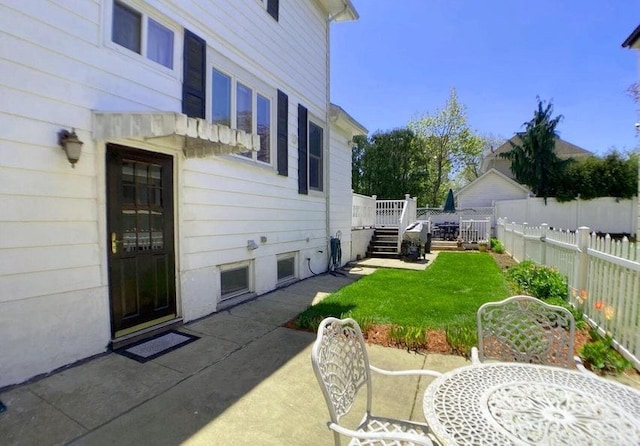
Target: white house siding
58, 65
341, 196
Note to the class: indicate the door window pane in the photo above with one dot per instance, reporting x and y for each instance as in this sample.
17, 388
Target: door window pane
129, 230
157, 238
264, 128
221, 98
128, 183
159, 44
126, 27
142, 197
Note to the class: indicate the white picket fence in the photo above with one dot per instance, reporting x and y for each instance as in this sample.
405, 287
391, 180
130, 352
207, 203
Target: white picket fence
603, 275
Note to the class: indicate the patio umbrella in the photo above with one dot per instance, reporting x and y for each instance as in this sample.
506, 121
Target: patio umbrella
449, 205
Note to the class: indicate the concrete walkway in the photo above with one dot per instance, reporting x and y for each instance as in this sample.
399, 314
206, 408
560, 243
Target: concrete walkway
247, 380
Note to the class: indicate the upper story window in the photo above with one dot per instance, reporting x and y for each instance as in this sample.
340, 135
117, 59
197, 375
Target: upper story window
141, 34
221, 98
315, 156
244, 108
263, 116
239, 105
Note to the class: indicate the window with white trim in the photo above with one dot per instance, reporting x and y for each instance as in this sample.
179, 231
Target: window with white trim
136, 31
221, 113
263, 122
286, 267
316, 145
243, 106
235, 280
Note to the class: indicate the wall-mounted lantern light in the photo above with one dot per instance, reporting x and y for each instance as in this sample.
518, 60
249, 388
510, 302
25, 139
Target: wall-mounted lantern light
251, 245
71, 145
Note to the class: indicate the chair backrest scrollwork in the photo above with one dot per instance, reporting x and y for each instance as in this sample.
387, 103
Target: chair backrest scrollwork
526, 329
341, 365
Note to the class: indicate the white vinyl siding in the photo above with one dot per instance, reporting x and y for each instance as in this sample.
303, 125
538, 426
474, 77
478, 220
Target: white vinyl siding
60, 64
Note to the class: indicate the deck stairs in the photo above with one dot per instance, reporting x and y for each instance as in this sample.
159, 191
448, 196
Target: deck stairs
384, 243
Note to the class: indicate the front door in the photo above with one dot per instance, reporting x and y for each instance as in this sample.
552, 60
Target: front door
140, 239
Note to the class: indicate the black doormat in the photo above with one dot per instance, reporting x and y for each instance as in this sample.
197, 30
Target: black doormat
151, 348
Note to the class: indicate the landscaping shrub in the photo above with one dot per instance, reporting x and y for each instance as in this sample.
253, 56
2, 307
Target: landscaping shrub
600, 356
576, 312
540, 281
497, 246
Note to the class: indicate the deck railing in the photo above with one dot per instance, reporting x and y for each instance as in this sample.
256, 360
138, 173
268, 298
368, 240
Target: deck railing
475, 231
363, 211
602, 274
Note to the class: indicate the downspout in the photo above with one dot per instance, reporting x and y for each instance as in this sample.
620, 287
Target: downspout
330, 18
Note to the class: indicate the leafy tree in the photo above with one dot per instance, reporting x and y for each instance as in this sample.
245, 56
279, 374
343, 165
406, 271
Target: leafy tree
473, 162
389, 165
448, 144
614, 175
534, 162
360, 144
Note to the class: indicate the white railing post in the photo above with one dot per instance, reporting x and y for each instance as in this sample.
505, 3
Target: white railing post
582, 272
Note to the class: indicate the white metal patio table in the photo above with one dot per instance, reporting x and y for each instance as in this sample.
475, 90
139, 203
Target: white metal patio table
523, 404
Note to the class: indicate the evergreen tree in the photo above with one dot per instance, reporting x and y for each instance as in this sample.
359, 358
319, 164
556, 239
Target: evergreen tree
534, 162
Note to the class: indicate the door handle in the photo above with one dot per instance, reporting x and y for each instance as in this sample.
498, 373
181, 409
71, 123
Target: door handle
114, 243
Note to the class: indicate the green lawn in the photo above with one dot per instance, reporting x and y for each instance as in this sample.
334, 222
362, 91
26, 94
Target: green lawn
448, 293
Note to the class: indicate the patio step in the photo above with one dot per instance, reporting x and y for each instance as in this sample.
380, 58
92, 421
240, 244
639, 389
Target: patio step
444, 245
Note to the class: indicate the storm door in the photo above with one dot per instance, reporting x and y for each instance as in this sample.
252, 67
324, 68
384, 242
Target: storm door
140, 239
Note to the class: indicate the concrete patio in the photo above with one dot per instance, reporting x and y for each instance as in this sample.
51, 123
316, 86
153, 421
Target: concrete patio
247, 380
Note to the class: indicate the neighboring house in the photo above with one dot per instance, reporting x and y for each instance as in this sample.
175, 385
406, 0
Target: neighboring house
489, 187
563, 149
633, 41
213, 168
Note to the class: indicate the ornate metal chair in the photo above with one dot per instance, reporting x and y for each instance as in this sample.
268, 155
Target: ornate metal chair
525, 329
341, 364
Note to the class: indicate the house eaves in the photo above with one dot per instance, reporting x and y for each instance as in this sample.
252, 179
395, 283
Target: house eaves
633, 41
339, 10
342, 119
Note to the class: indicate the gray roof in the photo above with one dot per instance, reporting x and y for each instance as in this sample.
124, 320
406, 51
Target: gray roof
563, 148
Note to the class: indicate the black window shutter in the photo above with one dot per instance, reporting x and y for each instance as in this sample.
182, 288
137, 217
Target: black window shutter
283, 132
193, 84
302, 151
272, 8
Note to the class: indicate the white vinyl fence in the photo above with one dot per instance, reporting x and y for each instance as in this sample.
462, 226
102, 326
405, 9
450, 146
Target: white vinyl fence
603, 275
603, 215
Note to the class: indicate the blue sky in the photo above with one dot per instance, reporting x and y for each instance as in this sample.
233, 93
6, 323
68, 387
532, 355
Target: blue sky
401, 58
